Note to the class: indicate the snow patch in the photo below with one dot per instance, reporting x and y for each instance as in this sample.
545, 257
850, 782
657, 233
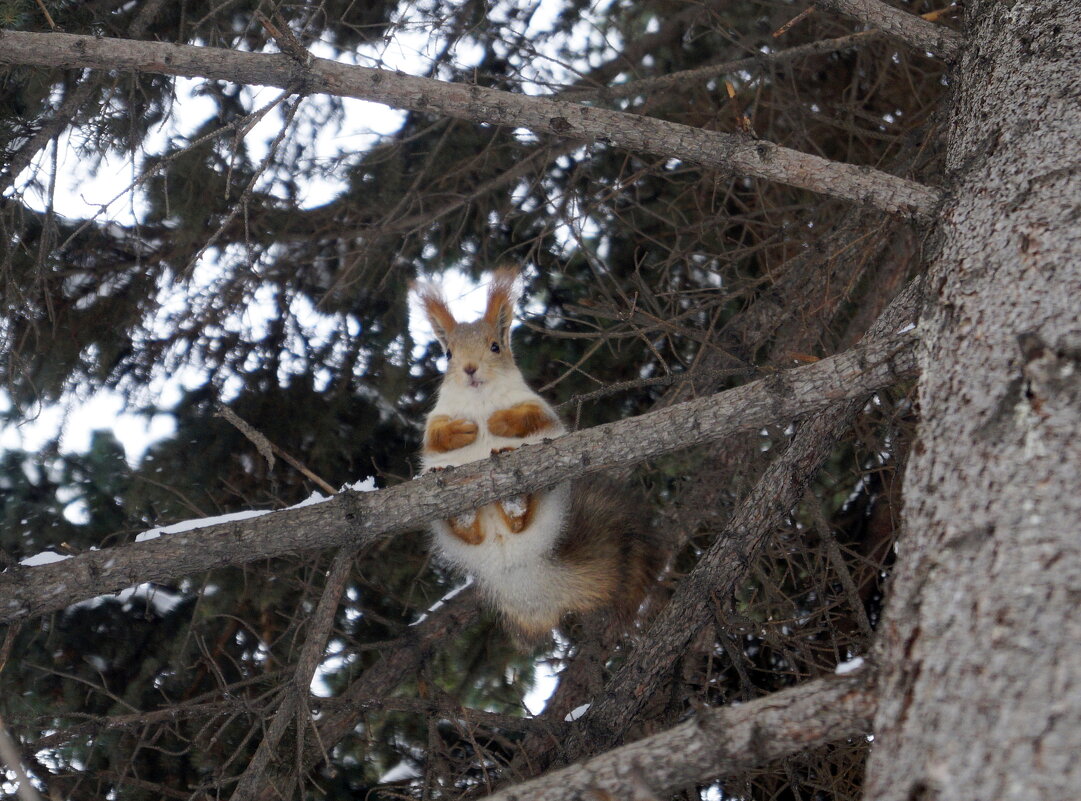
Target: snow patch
311, 500
466, 518
516, 506
851, 666
576, 713
162, 601
202, 522
401, 772
44, 558
364, 485
443, 601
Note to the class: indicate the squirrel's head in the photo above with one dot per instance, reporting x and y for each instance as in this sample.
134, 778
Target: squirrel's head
478, 352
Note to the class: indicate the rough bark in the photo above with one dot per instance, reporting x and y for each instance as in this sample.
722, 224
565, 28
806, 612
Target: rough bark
716, 742
359, 518
981, 651
908, 28
639, 133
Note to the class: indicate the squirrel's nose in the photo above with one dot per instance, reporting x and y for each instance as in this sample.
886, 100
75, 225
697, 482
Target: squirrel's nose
470, 369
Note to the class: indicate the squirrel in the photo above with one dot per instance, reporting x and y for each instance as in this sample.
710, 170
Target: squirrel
584, 546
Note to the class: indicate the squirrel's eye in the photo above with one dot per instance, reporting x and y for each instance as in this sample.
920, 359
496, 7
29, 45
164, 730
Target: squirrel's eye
495, 347
448, 355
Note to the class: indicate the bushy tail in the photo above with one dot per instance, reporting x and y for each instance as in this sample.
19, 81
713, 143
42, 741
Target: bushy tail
611, 548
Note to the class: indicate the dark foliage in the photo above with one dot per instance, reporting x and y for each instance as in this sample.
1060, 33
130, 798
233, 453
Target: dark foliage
641, 272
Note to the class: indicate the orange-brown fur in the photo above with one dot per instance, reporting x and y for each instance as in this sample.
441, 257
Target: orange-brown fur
519, 420
470, 534
435, 308
444, 434
611, 547
588, 546
500, 308
518, 523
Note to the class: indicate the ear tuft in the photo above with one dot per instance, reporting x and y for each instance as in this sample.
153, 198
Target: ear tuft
502, 295
435, 309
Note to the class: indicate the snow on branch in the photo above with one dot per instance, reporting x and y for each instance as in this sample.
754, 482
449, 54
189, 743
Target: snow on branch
717, 742
747, 156
909, 28
359, 518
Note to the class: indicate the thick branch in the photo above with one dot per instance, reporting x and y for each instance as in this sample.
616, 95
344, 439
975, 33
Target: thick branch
909, 28
717, 742
360, 518
479, 104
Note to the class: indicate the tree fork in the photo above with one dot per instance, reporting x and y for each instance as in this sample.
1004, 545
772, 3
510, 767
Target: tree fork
753, 157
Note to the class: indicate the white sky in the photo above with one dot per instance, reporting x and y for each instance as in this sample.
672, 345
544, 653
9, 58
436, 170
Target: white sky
104, 193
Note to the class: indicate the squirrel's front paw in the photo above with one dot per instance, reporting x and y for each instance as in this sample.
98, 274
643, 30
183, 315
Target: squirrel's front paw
446, 434
519, 420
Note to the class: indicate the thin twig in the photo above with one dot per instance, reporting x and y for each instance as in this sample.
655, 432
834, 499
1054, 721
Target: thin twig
796, 20
9, 753
319, 628
268, 449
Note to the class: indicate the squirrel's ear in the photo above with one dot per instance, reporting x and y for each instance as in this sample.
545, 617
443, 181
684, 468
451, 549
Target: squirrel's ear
436, 310
502, 294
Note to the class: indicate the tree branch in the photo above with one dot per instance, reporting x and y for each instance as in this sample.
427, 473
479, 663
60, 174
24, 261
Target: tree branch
362, 517
675, 81
483, 105
295, 705
723, 566
716, 742
402, 658
909, 28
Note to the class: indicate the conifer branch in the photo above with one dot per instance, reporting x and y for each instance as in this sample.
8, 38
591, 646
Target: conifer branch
363, 517
909, 28
743, 154
712, 583
717, 742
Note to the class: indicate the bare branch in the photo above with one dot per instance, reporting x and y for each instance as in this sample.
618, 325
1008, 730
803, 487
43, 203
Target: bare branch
12, 760
676, 80
717, 742
403, 657
360, 518
480, 104
295, 707
21, 158
909, 28
718, 572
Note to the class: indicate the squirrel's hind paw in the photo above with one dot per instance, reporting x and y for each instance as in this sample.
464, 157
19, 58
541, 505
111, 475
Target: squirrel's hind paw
517, 512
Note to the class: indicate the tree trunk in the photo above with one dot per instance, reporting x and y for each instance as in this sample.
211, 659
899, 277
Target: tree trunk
981, 650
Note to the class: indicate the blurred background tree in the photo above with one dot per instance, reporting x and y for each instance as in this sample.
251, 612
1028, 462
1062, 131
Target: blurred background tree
259, 256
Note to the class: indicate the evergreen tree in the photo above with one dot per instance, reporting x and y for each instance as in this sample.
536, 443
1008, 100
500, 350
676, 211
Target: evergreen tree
650, 280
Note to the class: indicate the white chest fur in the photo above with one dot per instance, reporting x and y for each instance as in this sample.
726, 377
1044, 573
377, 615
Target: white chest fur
478, 404
516, 571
